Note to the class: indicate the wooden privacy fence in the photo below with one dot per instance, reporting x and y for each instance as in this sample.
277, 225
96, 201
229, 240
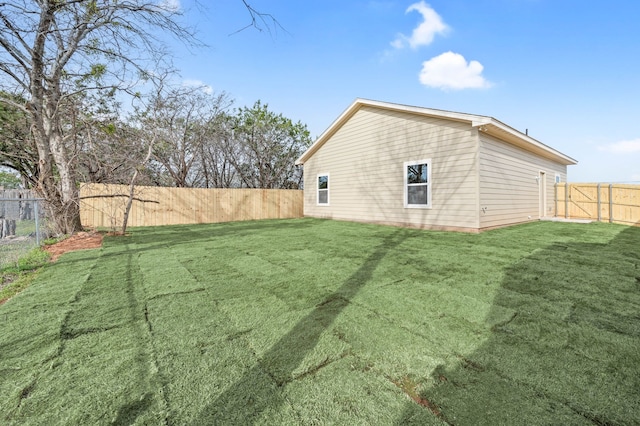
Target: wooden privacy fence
103, 205
599, 201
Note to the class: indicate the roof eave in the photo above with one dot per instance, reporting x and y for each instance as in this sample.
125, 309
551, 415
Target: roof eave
485, 124
507, 134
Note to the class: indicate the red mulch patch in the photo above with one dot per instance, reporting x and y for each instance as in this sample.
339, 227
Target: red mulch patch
79, 241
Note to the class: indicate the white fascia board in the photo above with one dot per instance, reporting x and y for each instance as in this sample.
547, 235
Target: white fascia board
439, 113
496, 127
480, 121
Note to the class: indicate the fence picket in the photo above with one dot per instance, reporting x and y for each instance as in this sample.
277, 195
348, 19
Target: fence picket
101, 205
618, 203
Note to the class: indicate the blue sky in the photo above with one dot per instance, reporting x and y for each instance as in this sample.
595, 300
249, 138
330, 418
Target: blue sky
568, 70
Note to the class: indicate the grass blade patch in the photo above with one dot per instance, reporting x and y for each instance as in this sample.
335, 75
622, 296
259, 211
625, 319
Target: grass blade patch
312, 321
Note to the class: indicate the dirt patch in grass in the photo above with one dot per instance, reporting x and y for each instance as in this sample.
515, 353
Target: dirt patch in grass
411, 389
6, 279
79, 241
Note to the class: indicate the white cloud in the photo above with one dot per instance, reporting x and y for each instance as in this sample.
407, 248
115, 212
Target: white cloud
452, 71
424, 33
622, 147
198, 84
170, 5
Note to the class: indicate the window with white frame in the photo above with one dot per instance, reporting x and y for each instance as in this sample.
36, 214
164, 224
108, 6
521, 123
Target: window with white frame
323, 189
417, 184
558, 178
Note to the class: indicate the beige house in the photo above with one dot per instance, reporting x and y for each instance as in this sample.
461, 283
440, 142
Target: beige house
409, 166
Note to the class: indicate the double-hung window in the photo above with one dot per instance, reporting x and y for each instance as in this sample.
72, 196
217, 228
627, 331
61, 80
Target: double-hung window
417, 184
323, 189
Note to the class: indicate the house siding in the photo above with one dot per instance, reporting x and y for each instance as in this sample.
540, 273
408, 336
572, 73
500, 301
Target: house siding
365, 158
509, 192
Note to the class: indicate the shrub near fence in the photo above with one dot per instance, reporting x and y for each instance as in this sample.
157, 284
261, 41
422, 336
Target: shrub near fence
605, 202
103, 205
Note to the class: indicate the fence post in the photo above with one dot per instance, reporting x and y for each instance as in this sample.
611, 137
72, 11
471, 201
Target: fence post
610, 203
36, 211
566, 200
599, 203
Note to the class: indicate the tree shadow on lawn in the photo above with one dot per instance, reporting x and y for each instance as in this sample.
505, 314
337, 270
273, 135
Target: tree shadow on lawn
570, 354
174, 236
259, 389
124, 315
90, 349
151, 238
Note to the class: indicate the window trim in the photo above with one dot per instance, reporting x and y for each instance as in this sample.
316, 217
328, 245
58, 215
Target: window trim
318, 203
406, 184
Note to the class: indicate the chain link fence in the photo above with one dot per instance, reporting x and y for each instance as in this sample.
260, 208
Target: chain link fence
22, 225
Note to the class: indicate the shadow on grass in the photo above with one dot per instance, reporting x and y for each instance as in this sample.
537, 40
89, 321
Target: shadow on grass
128, 414
118, 283
569, 355
159, 237
260, 388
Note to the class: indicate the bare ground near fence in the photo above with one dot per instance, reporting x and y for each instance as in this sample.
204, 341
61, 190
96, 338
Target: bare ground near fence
619, 203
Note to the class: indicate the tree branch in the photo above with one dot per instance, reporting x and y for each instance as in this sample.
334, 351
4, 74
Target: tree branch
142, 200
266, 19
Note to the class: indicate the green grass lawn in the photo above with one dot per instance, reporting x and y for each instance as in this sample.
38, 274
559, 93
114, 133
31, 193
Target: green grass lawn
321, 322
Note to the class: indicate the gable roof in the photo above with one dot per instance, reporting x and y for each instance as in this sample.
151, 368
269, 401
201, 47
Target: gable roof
485, 124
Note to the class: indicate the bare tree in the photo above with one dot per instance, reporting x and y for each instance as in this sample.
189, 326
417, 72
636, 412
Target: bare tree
106, 145
117, 151
132, 184
17, 147
54, 50
184, 119
109, 153
217, 169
